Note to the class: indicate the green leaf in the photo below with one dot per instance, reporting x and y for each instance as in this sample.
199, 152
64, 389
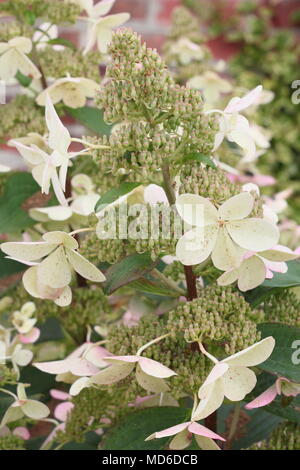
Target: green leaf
92, 118
150, 287
113, 194
128, 269
29, 17
23, 79
289, 279
62, 42
9, 267
132, 430
201, 158
281, 362
19, 187
259, 427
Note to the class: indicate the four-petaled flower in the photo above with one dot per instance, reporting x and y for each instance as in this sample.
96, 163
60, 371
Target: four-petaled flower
51, 277
231, 377
225, 233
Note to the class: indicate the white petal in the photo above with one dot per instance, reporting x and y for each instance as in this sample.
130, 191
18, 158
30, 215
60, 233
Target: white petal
228, 277
59, 137
14, 413
254, 355
65, 297
80, 384
102, 8
112, 374
61, 238
253, 234
196, 210
237, 207
104, 37
155, 369
35, 409
196, 245
239, 104
113, 21
83, 267
55, 270
251, 273
226, 254
279, 254
27, 251
213, 396
238, 382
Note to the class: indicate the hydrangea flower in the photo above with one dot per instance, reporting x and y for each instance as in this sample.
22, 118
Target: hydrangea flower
223, 233
51, 277
256, 267
282, 386
45, 165
16, 354
183, 435
22, 406
24, 323
72, 91
235, 127
212, 86
231, 377
187, 51
99, 26
44, 34
13, 59
86, 360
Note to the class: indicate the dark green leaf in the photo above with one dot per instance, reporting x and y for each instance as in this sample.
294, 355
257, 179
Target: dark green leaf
19, 187
127, 270
8, 266
132, 430
283, 361
289, 279
113, 194
62, 42
92, 118
201, 158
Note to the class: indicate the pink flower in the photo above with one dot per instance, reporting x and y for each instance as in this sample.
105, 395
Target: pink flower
30, 337
260, 180
282, 386
62, 410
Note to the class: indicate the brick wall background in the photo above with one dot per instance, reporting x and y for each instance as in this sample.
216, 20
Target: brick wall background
151, 18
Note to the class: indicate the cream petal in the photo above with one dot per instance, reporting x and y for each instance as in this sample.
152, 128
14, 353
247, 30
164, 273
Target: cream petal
154, 368
228, 277
253, 355
54, 367
21, 43
9, 63
102, 8
27, 251
253, 234
61, 238
83, 267
26, 67
65, 297
238, 382
59, 137
79, 385
181, 441
196, 245
74, 99
213, 396
278, 254
226, 254
205, 443
35, 409
82, 367
252, 273
14, 413
113, 21
30, 282
112, 374
237, 207
104, 37
196, 210
55, 270
150, 383
239, 104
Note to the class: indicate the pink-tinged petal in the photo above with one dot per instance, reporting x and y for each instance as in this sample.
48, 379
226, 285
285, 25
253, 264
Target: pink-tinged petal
197, 428
169, 431
155, 369
30, 337
62, 410
79, 351
120, 359
53, 367
22, 432
239, 104
276, 266
96, 354
269, 274
264, 399
59, 394
82, 368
